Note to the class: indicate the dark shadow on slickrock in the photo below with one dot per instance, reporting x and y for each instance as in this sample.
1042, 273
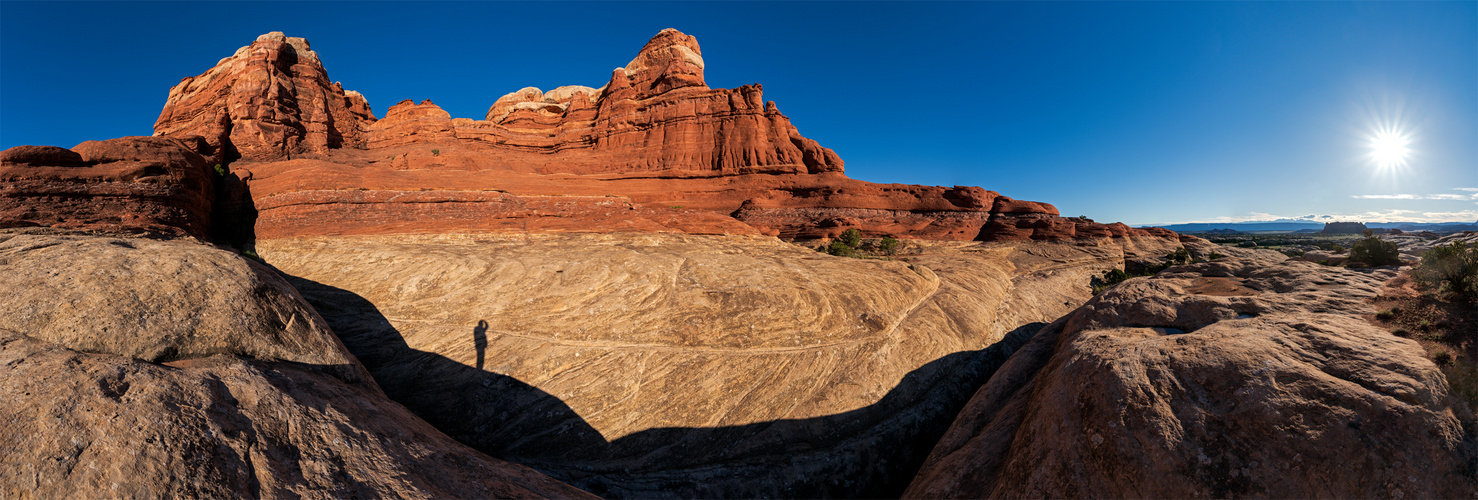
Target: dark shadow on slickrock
869, 452
133, 367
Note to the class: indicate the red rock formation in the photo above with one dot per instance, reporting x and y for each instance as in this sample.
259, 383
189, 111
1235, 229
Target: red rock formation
151, 185
410, 123
270, 100
655, 136
655, 115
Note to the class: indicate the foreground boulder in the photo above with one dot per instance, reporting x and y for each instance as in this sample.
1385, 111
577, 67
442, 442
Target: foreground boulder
135, 367
1248, 376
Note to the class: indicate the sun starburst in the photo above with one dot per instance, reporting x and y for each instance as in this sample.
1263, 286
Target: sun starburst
1389, 147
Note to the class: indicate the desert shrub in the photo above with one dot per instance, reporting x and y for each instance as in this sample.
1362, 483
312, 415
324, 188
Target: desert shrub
840, 248
1368, 233
1385, 315
251, 254
1442, 357
1110, 278
1179, 256
852, 237
221, 171
1462, 377
1215, 256
1374, 251
436, 152
888, 245
1449, 268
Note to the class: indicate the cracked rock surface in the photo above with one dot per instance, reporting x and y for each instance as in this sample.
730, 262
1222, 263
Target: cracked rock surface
1251, 375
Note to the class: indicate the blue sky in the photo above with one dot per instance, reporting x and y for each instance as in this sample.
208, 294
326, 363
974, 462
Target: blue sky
1141, 112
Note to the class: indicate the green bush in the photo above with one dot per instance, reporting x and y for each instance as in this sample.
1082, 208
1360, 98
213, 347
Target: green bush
852, 237
1442, 357
1215, 256
436, 152
1375, 252
888, 245
840, 248
1179, 256
1111, 277
1449, 268
221, 171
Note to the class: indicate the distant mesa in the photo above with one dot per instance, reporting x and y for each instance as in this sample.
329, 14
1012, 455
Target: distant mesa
1344, 228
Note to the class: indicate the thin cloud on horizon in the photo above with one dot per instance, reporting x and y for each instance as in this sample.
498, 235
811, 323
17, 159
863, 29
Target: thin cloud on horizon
1454, 197
1384, 217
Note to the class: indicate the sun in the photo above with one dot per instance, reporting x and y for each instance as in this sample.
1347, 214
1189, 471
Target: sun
1388, 148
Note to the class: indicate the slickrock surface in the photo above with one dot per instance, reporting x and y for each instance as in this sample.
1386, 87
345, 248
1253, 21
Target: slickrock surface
1412, 246
654, 137
149, 185
134, 367
145, 298
1249, 376
642, 365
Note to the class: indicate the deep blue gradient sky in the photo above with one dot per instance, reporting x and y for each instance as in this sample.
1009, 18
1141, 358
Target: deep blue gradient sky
1153, 112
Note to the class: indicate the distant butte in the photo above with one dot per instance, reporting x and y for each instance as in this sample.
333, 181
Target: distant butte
653, 150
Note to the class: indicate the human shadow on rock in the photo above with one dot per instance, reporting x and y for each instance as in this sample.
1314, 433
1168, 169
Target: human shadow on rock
870, 452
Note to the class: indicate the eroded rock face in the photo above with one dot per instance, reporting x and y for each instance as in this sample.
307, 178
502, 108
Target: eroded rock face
642, 365
150, 185
270, 100
1247, 376
136, 367
655, 136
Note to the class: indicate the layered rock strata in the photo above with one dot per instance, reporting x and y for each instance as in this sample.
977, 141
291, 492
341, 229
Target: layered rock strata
654, 135
136, 367
1245, 376
137, 185
270, 100
643, 365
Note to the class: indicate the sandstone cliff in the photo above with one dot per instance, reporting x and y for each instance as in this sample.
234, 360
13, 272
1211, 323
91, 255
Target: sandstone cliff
137, 185
1245, 376
270, 100
654, 137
